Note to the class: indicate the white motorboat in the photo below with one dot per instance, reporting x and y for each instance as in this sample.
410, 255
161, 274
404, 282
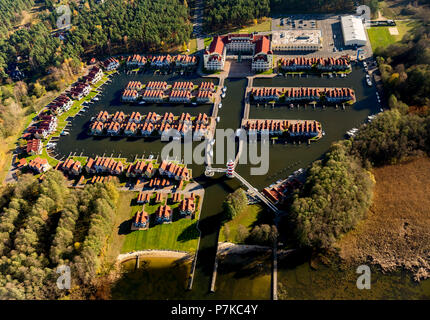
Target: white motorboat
220, 105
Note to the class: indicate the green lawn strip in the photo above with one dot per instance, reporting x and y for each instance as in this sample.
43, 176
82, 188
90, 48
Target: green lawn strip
264, 26
208, 41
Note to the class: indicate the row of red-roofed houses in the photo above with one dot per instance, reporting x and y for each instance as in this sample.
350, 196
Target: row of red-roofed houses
147, 125
321, 64
104, 165
156, 183
140, 169
147, 129
70, 167
335, 95
173, 170
130, 95
295, 128
290, 95
151, 117
136, 60
134, 85
166, 60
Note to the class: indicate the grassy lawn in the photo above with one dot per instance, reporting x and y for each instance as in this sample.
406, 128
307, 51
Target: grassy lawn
381, 37
181, 234
192, 45
208, 41
263, 25
249, 217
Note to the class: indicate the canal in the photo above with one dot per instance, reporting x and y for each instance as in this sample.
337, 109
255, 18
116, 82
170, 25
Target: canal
163, 278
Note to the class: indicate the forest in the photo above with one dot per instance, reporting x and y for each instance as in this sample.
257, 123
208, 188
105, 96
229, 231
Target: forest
222, 14
44, 225
10, 14
229, 14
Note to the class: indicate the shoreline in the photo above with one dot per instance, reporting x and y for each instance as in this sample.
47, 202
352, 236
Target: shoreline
154, 253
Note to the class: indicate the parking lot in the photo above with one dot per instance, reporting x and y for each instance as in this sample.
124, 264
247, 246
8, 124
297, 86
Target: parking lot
331, 33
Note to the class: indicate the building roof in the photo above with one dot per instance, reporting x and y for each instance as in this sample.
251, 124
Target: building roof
217, 45
353, 29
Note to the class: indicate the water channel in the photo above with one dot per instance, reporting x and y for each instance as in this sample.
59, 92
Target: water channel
165, 278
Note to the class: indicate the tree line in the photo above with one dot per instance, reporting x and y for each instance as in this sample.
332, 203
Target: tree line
222, 14
39, 223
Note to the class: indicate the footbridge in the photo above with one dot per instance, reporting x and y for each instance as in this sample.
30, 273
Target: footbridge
210, 171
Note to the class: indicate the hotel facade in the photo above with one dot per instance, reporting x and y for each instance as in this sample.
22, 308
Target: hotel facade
256, 45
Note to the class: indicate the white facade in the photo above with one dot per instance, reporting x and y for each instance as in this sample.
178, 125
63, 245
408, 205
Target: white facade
353, 31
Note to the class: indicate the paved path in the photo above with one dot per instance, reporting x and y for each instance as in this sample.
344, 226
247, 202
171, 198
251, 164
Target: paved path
198, 24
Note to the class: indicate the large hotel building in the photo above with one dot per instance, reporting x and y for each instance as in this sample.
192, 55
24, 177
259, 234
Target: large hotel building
258, 45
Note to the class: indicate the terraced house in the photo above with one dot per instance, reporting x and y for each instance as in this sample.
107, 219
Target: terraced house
70, 167
140, 169
140, 221
143, 197
94, 76
187, 207
316, 63
39, 165
80, 90
136, 60
173, 170
130, 95
61, 104
104, 165
164, 214
34, 146
184, 61
111, 64
295, 128
266, 94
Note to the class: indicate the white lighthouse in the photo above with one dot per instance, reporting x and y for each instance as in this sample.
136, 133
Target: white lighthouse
230, 168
